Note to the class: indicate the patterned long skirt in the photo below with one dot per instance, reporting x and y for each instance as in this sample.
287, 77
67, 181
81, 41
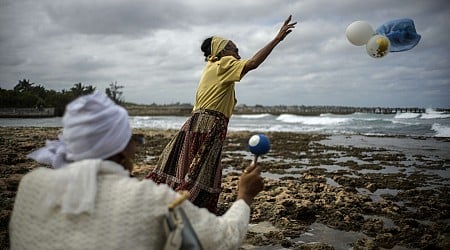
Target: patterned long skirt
191, 160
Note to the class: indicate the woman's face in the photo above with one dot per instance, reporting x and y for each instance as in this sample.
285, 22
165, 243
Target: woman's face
231, 50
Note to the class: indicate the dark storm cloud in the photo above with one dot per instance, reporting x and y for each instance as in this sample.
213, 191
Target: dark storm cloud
152, 48
116, 17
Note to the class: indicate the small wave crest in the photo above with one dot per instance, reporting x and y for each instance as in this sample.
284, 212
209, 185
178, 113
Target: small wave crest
406, 115
441, 130
435, 115
312, 120
256, 116
429, 114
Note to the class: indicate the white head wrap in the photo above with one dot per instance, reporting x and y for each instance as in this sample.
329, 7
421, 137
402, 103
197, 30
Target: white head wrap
94, 127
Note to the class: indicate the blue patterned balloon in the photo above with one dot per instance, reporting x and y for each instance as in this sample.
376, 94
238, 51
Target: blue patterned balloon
259, 144
401, 34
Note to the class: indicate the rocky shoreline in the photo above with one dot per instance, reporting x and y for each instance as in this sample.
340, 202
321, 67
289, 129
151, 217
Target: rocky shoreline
308, 184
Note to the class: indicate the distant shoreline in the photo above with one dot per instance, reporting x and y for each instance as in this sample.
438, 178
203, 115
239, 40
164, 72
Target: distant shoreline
186, 110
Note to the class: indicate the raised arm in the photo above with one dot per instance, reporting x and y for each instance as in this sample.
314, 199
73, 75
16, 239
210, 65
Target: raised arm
262, 54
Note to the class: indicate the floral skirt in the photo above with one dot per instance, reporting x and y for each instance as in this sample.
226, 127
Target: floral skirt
191, 160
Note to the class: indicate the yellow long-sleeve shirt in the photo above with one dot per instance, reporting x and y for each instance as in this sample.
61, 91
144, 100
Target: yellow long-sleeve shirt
216, 87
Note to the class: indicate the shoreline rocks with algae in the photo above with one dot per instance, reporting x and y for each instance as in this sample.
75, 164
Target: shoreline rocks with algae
389, 198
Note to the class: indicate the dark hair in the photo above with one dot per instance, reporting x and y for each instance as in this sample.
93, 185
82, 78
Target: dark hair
206, 47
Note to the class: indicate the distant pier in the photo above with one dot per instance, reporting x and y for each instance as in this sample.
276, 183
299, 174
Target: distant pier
316, 110
186, 109
398, 110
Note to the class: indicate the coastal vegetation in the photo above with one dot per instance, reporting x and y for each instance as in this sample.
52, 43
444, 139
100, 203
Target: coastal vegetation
27, 94
28, 99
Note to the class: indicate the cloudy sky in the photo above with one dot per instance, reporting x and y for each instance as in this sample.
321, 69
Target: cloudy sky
152, 48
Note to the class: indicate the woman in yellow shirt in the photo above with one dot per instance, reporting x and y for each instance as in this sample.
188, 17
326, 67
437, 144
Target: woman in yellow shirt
191, 160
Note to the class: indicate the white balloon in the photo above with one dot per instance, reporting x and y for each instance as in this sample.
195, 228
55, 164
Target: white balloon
359, 32
378, 46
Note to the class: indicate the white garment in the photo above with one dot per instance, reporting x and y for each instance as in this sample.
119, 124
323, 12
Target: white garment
74, 188
128, 215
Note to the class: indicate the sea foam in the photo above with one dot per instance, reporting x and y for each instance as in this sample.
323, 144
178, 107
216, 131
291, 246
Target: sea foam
312, 120
435, 115
406, 115
256, 116
441, 130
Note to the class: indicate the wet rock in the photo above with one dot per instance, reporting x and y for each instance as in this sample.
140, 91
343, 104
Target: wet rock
301, 196
385, 240
13, 181
314, 246
372, 187
365, 244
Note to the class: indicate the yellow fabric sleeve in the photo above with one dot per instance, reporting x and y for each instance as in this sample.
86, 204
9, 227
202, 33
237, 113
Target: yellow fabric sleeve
216, 87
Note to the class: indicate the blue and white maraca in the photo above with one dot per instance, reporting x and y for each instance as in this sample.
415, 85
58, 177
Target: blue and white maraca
259, 144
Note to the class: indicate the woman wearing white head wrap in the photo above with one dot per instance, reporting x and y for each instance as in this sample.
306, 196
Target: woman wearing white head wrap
191, 160
94, 128
91, 202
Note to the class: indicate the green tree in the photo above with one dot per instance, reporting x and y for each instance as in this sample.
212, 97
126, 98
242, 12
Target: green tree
23, 85
7, 98
39, 91
114, 92
27, 94
78, 89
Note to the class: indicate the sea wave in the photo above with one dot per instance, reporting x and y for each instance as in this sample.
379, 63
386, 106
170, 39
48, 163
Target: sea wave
361, 123
312, 120
159, 122
441, 130
405, 122
429, 114
436, 115
256, 116
407, 115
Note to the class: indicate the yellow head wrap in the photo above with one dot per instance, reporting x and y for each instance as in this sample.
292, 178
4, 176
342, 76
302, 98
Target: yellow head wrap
217, 45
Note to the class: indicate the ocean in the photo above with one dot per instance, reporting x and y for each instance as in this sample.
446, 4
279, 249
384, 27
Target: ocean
428, 124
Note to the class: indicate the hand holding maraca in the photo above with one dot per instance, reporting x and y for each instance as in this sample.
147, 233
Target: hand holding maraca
250, 183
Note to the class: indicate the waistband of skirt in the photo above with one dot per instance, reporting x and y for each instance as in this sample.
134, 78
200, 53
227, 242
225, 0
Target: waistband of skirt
211, 112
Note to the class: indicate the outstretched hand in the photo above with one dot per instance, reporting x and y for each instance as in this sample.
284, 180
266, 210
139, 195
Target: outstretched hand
262, 54
286, 28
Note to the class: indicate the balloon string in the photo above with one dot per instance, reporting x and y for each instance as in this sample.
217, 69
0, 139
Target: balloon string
255, 160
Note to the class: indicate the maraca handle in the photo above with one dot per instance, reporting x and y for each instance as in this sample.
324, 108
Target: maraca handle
255, 160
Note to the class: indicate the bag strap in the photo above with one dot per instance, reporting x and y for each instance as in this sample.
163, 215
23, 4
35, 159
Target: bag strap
184, 196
